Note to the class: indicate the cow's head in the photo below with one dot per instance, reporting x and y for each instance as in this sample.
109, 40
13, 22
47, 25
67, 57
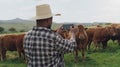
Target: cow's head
111, 30
81, 34
62, 32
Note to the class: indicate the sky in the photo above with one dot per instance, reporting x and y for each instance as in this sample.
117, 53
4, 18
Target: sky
70, 10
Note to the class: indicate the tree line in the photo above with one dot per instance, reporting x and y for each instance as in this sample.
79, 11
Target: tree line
10, 30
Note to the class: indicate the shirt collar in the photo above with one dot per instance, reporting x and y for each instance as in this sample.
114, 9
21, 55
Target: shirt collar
40, 28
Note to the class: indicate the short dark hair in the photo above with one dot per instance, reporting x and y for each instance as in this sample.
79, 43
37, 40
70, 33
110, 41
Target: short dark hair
41, 20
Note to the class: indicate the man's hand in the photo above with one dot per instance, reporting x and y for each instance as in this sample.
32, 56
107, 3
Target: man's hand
73, 31
59, 30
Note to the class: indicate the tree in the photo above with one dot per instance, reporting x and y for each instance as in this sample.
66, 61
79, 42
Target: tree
107, 23
22, 30
12, 29
1, 29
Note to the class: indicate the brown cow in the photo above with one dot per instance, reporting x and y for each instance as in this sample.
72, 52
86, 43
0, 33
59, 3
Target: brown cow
117, 30
0, 44
90, 32
12, 43
19, 44
102, 35
7, 43
81, 39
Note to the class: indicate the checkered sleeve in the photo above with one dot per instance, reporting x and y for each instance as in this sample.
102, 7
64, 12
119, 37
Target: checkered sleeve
26, 47
65, 45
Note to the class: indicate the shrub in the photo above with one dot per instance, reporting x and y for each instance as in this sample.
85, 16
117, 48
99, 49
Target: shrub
12, 29
22, 30
1, 29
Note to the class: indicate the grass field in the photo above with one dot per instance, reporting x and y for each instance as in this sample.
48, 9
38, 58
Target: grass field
17, 26
23, 26
109, 57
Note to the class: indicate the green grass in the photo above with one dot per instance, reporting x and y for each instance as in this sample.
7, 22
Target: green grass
17, 26
109, 57
13, 60
26, 26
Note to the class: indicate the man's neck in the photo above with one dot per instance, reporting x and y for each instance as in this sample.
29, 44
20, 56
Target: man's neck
43, 26
40, 25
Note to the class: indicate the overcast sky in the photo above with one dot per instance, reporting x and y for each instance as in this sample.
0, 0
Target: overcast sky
71, 10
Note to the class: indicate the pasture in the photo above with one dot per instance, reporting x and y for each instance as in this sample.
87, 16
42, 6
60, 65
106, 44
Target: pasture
109, 57
26, 26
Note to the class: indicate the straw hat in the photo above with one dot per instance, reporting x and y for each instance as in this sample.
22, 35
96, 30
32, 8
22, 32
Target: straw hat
43, 11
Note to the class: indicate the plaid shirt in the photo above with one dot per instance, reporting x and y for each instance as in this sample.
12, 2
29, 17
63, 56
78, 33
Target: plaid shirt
45, 48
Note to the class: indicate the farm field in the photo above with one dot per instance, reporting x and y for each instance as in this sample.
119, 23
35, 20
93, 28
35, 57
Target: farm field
109, 57
26, 26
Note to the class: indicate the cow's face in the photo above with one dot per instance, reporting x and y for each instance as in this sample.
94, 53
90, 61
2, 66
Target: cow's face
81, 34
111, 30
117, 30
75, 30
64, 33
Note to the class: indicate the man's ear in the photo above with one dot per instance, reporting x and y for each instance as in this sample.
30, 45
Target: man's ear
47, 21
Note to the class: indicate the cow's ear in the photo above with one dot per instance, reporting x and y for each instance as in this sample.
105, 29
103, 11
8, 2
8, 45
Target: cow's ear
80, 26
108, 28
72, 26
86, 28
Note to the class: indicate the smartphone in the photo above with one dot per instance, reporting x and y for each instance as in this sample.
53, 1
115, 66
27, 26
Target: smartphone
67, 26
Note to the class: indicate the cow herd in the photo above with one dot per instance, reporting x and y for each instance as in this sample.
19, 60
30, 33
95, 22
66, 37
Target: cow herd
84, 37
98, 35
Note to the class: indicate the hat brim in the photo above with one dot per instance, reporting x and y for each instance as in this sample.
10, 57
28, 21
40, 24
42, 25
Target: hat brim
45, 17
